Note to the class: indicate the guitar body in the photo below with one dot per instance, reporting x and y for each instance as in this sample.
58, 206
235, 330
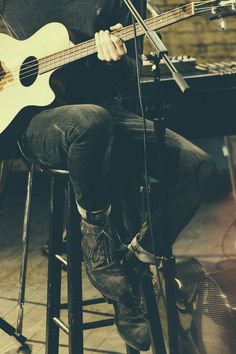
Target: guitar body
17, 89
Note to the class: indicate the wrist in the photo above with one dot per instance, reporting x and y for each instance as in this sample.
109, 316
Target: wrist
119, 62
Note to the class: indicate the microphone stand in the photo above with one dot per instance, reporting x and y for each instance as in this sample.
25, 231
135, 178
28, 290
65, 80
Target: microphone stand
168, 259
159, 46
11, 331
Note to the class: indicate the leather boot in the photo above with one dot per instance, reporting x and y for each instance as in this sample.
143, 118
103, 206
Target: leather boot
106, 273
132, 324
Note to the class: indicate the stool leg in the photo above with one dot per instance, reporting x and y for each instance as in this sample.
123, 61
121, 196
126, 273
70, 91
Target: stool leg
57, 198
25, 251
158, 343
74, 275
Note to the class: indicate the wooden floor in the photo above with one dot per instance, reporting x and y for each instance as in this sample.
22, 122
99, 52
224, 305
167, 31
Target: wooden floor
201, 239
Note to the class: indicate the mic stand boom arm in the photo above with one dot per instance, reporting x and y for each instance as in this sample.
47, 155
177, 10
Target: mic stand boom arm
159, 47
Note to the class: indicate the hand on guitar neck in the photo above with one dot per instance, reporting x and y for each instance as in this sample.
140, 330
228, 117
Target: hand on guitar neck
109, 46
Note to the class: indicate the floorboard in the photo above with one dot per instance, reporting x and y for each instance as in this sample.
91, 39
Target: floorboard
208, 238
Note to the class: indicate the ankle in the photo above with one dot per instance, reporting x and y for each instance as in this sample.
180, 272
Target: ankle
96, 217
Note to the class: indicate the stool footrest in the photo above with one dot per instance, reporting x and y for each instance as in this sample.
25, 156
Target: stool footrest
88, 325
62, 260
88, 302
61, 325
98, 324
101, 300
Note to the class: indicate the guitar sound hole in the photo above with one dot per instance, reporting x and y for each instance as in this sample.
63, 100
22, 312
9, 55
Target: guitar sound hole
29, 71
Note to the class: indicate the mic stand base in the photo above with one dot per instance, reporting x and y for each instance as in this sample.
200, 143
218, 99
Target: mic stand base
11, 331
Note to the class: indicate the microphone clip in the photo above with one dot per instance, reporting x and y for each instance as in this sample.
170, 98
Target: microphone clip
135, 249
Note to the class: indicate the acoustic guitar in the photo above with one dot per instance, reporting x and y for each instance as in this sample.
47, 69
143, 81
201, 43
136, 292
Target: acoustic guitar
26, 66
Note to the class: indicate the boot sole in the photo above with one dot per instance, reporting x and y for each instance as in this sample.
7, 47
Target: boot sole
142, 349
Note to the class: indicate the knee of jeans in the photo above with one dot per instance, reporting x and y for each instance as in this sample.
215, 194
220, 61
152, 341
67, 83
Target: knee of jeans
206, 174
94, 125
197, 171
101, 125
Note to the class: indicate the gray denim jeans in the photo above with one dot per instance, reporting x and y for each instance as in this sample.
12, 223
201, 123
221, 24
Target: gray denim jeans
101, 145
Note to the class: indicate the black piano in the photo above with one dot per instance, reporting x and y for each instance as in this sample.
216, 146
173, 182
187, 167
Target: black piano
206, 110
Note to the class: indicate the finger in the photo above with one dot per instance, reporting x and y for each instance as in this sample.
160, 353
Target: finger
100, 53
105, 42
119, 45
116, 27
109, 49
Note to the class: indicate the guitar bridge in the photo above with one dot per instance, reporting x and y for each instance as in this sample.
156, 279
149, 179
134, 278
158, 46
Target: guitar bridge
5, 76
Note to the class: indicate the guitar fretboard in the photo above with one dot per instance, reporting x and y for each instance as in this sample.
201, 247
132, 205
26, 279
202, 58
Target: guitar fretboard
88, 48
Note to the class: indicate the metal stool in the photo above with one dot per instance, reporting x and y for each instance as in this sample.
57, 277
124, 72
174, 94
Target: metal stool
61, 201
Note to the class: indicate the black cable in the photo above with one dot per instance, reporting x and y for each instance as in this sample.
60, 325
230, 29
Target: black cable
145, 158
233, 223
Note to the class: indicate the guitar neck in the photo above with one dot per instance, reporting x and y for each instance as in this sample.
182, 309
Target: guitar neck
87, 48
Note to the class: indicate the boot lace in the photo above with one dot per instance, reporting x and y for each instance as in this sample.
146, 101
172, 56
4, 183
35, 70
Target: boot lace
102, 249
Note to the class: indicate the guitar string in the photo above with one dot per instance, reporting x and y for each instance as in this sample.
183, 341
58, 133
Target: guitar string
149, 22
84, 51
78, 48
67, 53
